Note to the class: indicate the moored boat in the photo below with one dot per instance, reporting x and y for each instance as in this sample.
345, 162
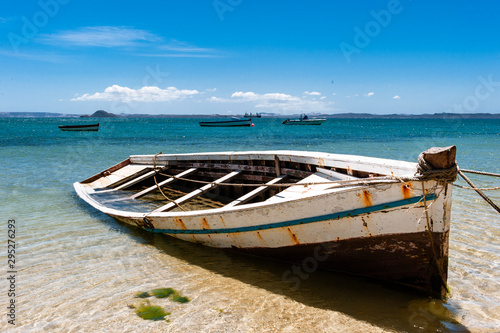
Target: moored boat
82, 127
304, 120
233, 122
378, 218
251, 115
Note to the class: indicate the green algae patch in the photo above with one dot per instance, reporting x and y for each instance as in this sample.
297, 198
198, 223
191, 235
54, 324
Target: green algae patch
151, 312
163, 292
166, 292
179, 299
154, 312
143, 294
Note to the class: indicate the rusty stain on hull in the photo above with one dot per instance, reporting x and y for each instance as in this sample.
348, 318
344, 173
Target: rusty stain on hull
366, 225
366, 197
406, 189
294, 237
180, 223
204, 224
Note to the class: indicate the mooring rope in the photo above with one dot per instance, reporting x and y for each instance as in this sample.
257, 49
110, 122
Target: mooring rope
488, 200
431, 239
424, 172
482, 173
158, 186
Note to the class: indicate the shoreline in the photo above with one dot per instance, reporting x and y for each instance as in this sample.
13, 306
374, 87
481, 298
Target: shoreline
264, 115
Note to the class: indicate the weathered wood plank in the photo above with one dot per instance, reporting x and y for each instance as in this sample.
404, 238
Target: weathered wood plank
196, 193
137, 180
162, 183
250, 195
244, 167
106, 172
337, 175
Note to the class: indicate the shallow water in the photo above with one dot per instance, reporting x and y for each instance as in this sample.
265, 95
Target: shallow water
78, 270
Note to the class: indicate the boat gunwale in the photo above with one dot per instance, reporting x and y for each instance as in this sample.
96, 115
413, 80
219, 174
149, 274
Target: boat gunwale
162, 160
82, 192
392, 167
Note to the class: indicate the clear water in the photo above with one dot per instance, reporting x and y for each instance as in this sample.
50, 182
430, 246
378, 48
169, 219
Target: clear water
78, 270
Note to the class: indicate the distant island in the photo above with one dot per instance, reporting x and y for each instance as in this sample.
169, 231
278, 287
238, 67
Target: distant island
105, 114
100, 114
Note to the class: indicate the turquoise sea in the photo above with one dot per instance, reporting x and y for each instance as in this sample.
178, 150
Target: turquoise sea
77, 270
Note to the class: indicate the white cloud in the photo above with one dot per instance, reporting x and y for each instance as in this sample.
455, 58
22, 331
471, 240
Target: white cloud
312, 93
136, 40
144, 94
37, 56
269, 98
396, 97
355, 95
104, 36
277, 102
370, 94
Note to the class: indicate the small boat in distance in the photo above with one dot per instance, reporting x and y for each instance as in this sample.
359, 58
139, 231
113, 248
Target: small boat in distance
373, 217
89, 127
251, 115
233, 122
304, 120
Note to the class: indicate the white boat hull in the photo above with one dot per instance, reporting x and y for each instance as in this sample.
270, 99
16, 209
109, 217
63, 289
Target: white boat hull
304, 121
382, 231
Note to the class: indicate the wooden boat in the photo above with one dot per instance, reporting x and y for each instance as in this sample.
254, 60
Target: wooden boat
365, 216
89, 127
304, 120
233, 122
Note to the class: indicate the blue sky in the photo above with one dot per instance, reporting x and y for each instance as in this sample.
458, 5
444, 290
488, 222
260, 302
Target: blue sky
236, 56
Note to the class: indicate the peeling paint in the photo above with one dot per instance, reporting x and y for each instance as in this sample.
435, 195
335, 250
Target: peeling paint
366, 197
293, 236
406, 189
204, 224
180, 222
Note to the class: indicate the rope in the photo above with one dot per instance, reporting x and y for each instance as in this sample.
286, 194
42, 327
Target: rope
354, 182
478, 188
488, 200
426, 172
158, 186
482, 173
429, 233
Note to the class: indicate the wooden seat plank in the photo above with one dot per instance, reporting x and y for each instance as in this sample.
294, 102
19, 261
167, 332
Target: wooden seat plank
196, 192
162, 183
255, 192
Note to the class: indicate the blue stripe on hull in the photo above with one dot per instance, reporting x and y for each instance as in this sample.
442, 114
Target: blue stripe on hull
334, 216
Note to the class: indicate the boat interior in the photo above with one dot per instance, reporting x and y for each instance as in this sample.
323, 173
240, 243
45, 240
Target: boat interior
198, 184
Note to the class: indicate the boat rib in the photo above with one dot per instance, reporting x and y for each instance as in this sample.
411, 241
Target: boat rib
196, 193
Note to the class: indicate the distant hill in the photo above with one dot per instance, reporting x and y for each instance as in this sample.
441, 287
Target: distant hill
103, 114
